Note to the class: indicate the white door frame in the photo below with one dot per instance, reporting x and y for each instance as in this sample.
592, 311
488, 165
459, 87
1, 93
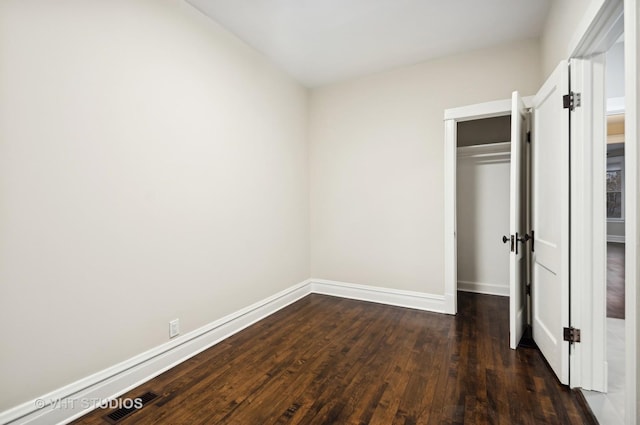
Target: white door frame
588, 360
451, 119
600, 27
632, 219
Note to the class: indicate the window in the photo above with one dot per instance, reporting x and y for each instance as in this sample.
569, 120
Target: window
614, 194
615, 188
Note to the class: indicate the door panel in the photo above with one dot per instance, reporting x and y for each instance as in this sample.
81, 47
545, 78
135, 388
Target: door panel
517, 221
550, 221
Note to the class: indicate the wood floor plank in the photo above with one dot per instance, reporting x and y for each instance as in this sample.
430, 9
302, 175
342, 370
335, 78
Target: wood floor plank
326, 360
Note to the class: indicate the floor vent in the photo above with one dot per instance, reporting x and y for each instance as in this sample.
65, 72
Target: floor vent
135, 405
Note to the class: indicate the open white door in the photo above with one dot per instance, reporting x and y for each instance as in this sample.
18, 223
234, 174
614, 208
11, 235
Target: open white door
550, 221
517, 211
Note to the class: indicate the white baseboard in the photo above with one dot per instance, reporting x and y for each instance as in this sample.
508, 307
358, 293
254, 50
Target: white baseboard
112, 382
615, 238
451, 303
70, 402
376, 294
483, 288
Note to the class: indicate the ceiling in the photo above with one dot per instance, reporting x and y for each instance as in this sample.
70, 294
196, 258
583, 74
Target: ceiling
323, 41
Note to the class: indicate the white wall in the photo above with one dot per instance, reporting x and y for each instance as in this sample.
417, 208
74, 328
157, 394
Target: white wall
483, 217
376, 146
560, 27
151, 167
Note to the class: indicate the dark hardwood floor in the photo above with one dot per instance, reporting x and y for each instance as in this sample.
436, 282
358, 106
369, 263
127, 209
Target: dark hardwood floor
326, 360
615, 280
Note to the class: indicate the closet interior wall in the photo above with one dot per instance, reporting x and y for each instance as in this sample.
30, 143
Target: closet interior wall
482, 192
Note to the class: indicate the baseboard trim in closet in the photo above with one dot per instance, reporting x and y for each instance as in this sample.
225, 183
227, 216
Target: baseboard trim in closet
484, 288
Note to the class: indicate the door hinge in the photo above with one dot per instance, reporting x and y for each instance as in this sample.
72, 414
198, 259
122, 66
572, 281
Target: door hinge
571, 334
571, 101
528, 290
528, 136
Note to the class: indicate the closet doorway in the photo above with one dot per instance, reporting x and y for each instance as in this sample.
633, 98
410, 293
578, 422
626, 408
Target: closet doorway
482, 196
492, 211
487, 211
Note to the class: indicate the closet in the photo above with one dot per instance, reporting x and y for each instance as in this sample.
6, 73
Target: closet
482, 197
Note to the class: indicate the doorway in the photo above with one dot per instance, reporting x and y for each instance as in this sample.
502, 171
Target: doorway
608, 404
482, 196
486, 184
452, 117
615, 205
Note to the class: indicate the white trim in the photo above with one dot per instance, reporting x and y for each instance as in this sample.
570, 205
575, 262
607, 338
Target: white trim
114, 381
409, 299
599, 29
451, 118
615, 238
484, 288
496, 108
477, 111
632, 224
118, 379
450, 243
588, 224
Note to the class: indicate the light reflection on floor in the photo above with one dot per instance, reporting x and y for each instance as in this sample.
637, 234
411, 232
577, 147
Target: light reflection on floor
609, 407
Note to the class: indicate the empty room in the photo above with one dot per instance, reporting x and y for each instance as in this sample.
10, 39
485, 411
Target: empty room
315, 212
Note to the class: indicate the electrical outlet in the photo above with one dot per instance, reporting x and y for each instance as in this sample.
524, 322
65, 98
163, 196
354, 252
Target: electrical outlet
174, 328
